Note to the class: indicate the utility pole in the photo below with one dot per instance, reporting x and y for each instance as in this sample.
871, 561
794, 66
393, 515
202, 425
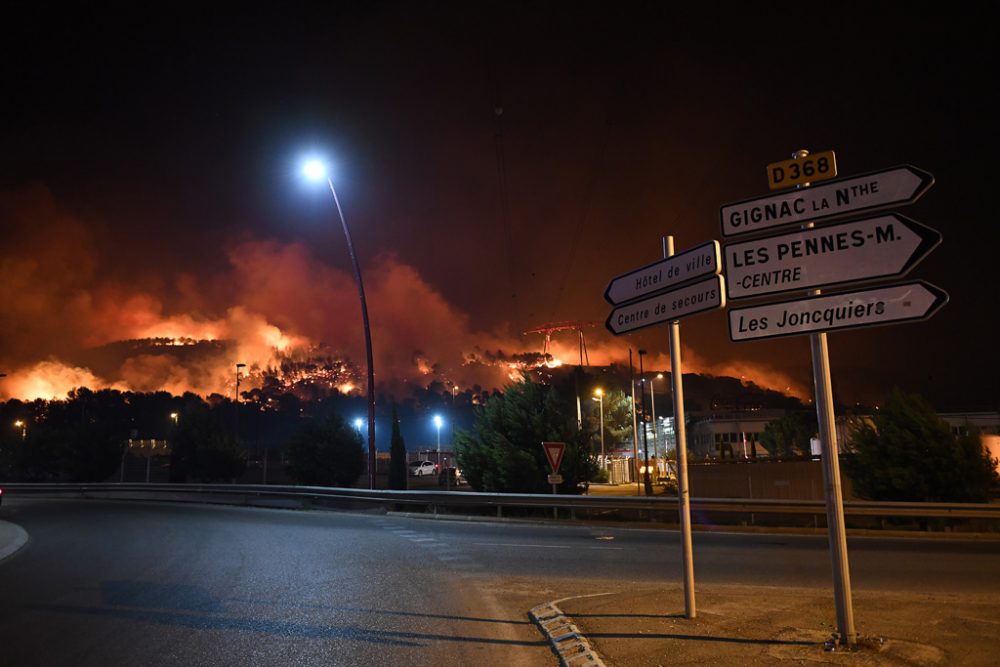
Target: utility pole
635, 427
645, 436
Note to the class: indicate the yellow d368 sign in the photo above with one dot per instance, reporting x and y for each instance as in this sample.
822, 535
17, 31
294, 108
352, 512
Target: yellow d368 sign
813, 167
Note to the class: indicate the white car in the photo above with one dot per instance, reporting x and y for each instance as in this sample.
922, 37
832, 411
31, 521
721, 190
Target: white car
421, 468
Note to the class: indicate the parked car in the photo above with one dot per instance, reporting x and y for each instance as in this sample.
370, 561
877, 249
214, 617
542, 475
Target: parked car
421, 468
454, 473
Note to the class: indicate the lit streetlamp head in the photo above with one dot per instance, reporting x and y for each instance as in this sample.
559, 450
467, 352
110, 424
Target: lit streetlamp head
314, 170
358, 423
437, 421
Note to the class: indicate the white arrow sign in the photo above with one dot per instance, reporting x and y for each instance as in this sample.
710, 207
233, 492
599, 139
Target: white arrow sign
882, 247
702, 260
905, 302
689, 300
898, 185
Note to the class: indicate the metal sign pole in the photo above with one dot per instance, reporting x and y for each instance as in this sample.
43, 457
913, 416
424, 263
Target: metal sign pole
683, 495
831, 477
832, 489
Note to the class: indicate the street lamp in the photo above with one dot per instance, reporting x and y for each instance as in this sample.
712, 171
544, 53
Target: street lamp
24, 428
454, 419
315, 170
652, 400
437, 422
358, 423
599, 397
173, 415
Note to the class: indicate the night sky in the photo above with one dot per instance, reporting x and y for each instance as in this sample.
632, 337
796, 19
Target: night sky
498, 164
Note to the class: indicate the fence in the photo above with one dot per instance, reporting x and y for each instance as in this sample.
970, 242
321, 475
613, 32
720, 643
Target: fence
707, 512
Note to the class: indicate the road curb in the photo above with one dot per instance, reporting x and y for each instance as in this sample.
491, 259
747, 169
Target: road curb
565, 638
12, 538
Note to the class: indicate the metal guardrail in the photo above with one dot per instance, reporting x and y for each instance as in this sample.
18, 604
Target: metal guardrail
498, 501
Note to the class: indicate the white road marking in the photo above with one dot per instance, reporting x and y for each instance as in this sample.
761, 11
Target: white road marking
543, 546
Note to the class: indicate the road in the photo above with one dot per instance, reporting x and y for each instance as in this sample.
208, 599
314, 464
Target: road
116, 583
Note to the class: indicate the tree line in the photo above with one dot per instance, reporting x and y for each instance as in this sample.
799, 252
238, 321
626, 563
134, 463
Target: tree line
903, 452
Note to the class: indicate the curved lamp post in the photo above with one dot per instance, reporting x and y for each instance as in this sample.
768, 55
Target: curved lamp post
315, 170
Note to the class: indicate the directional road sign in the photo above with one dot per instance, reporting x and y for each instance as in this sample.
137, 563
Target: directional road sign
906, 302
696, 298
878, 189
880, 247
699, 261
554, 453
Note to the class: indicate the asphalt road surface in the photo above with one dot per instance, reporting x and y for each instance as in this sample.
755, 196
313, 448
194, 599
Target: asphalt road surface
126, 583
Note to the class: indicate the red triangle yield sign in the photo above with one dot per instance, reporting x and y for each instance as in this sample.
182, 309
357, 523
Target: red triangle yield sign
554, 453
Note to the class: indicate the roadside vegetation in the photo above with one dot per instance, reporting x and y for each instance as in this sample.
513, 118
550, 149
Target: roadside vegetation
503, 452
907, 453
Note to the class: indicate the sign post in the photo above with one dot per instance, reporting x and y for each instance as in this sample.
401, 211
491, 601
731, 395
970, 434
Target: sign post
815, 257
554, 453
683, 494
680, 285
835, 525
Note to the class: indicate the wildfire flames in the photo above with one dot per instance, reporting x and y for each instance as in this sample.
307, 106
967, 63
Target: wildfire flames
290, 318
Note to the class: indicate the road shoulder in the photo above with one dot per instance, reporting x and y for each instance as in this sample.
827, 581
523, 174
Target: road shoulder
12, 538
776, 625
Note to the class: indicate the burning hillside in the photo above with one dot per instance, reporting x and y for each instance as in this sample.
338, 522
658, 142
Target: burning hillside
69, 321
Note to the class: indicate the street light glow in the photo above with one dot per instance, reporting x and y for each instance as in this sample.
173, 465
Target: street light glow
437, 421
314, 170
358, 423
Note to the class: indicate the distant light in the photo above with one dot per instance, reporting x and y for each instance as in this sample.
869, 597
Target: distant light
598, 392
437, 421
314, 170
358, 423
